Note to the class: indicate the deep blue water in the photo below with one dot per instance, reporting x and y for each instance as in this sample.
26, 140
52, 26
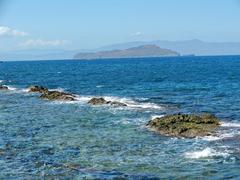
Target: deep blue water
43, 139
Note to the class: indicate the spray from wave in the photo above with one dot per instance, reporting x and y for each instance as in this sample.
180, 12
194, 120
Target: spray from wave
131, 104
228, 130
230, 124
205, 153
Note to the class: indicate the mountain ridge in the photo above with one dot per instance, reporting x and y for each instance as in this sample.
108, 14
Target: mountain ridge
186, 47
148, 50
194, 46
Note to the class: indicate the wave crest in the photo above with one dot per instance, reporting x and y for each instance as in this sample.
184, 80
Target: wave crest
205, 153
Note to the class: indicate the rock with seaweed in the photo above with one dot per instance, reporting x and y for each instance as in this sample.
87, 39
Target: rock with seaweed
39, 89
185, 125
52, 95
57, 95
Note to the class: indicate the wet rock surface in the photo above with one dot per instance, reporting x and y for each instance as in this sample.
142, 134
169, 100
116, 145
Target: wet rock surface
102, 101
97, 101
56, 95
184, 125
39, 89
2, 87
52, 95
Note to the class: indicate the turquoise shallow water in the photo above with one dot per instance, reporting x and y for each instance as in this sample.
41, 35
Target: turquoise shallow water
43, 139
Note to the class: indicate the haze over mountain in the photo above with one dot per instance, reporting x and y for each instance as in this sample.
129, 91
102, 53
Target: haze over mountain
196, 47
38, 54
133, 52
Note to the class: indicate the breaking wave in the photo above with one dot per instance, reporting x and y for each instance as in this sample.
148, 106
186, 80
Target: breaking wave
229, 130
129, 102
230, 124
205, 153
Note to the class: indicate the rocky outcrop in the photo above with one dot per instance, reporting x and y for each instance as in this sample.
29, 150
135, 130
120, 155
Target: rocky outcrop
102, 101
2, 87
97, 101
39, 89
184, 125
52, 95
56, 95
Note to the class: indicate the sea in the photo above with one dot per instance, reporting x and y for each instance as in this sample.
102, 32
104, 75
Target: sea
41, 139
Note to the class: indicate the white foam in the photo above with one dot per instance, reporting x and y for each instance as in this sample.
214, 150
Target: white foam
1, 81
142, 99
78, 100
222, 134
205, 153
133, 104
145, 106
84, 99
230, 124
17, 90
211, 138
129, 102
57, 89
25, 90
11, 88
156, 116
99, 86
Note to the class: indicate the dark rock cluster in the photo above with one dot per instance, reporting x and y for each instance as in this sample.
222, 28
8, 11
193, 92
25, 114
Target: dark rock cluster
102, 101
184, 125
177, 125
52, 95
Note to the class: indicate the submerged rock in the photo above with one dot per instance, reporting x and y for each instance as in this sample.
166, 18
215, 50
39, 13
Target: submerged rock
39, 89
2, 87
56, 95
184, 125
116, 103
102, 101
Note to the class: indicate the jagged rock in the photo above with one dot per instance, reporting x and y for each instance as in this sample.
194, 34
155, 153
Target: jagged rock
184, 125
102, 101
2, 87
38, 89
56, 95
52, 95
97, 101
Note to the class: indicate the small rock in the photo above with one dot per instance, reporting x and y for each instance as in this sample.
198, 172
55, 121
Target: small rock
38, 89
97, 101
56, 95
102, 101
2, 87
116, 103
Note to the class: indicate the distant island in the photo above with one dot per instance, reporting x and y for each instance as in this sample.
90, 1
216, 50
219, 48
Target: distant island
192, 47
133, 52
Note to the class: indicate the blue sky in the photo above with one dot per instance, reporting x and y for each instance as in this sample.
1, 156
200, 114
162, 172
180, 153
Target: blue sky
84, 24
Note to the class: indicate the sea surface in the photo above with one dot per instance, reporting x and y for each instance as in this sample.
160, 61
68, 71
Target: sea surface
42, 139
